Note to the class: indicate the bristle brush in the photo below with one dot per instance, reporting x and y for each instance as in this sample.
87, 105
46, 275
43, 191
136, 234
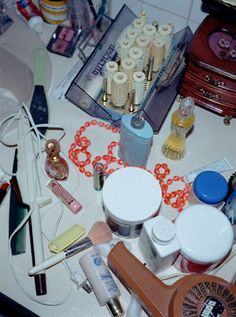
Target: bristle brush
99, 233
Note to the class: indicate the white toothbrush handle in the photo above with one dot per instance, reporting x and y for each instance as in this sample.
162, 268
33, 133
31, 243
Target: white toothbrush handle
47, 263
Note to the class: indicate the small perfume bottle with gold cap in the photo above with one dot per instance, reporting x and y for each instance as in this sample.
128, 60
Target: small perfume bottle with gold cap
181, 123
56, 167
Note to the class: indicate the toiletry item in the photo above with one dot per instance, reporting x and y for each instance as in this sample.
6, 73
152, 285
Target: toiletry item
219, 166
56, 167
66, 238
195, 295
53, 11
64, 41
181, 123
110, 69
102, 282
4, 187
229, 210
98, 176
119, 89
210, 188
130, 196
30, 14
166, 31
158, 53
67, 199
139, 85
80, 15
205, 235
5, 20
136, 137
99, 233
158, 243
73, 14
39, 105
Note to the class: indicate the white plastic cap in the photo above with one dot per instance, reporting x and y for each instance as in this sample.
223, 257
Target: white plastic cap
36, 24
163, 230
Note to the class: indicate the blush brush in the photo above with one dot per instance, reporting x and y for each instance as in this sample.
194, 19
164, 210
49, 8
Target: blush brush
99, 233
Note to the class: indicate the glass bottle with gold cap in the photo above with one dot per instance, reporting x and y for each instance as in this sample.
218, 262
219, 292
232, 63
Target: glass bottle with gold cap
56, 167
181, 123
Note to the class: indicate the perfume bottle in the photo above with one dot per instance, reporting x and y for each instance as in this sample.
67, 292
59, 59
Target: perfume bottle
181, 123
56, 167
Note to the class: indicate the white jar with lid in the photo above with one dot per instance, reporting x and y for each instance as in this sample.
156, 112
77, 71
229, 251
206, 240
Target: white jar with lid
130, 196
158, 243
209, 187
205, 236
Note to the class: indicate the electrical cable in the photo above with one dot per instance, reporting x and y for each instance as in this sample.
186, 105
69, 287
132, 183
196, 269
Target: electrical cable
24, 113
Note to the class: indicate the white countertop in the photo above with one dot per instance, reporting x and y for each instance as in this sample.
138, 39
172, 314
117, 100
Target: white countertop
210, 140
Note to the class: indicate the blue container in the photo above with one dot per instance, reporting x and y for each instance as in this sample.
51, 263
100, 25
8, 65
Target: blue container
210, 187
136, 136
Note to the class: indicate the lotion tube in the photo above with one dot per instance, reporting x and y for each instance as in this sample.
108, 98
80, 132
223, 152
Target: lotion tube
102, 282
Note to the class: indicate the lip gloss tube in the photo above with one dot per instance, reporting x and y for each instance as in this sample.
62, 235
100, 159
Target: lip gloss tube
65, 197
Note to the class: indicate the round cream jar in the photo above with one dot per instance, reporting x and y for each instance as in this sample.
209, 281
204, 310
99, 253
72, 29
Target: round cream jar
130, 196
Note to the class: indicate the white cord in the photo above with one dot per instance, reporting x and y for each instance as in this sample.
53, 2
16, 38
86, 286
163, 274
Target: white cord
25, 113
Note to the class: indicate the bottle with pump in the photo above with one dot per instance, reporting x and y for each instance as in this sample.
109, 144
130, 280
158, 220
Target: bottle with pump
56, 167
102, 282
181, 123
158, 243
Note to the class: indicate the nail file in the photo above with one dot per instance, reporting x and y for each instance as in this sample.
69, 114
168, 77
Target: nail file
39, 106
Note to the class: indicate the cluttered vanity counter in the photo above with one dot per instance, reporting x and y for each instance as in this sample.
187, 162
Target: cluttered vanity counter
209, 141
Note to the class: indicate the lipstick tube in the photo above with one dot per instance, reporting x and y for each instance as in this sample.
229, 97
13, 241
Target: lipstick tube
65, 196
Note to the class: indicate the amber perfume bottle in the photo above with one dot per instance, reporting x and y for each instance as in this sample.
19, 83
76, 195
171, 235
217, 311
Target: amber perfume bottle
181, 123
56, 167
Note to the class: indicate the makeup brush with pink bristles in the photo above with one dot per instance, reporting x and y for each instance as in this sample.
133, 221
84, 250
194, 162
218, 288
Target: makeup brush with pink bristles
99, 233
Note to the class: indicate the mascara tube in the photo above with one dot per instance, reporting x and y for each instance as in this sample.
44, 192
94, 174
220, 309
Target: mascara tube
65, 197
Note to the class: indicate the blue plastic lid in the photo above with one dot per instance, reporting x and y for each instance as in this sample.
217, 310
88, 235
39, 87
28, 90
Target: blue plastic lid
210, 187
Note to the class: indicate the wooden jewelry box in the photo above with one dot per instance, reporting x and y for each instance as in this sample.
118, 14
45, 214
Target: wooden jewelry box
210, 77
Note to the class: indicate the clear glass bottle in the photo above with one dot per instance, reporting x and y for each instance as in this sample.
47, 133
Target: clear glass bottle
56, 167
181, 123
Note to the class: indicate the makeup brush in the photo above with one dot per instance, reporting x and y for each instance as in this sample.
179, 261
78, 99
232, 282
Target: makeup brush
99, 233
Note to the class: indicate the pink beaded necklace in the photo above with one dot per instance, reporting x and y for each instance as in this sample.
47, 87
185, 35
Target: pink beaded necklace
80, 147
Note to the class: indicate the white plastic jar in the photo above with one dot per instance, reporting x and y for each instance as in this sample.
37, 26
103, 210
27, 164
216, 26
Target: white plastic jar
205, 236
130, 196
210, 188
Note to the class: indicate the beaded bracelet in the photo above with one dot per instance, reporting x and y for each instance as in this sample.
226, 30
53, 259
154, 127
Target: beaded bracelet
80, 147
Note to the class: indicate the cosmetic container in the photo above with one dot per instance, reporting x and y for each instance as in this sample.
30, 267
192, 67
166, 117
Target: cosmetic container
53, 11
136, 137
130, 196
208, 187
229, 210
68, 200
98, 176
56, 167
205, 236
102, 282
30, 13
158, 243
